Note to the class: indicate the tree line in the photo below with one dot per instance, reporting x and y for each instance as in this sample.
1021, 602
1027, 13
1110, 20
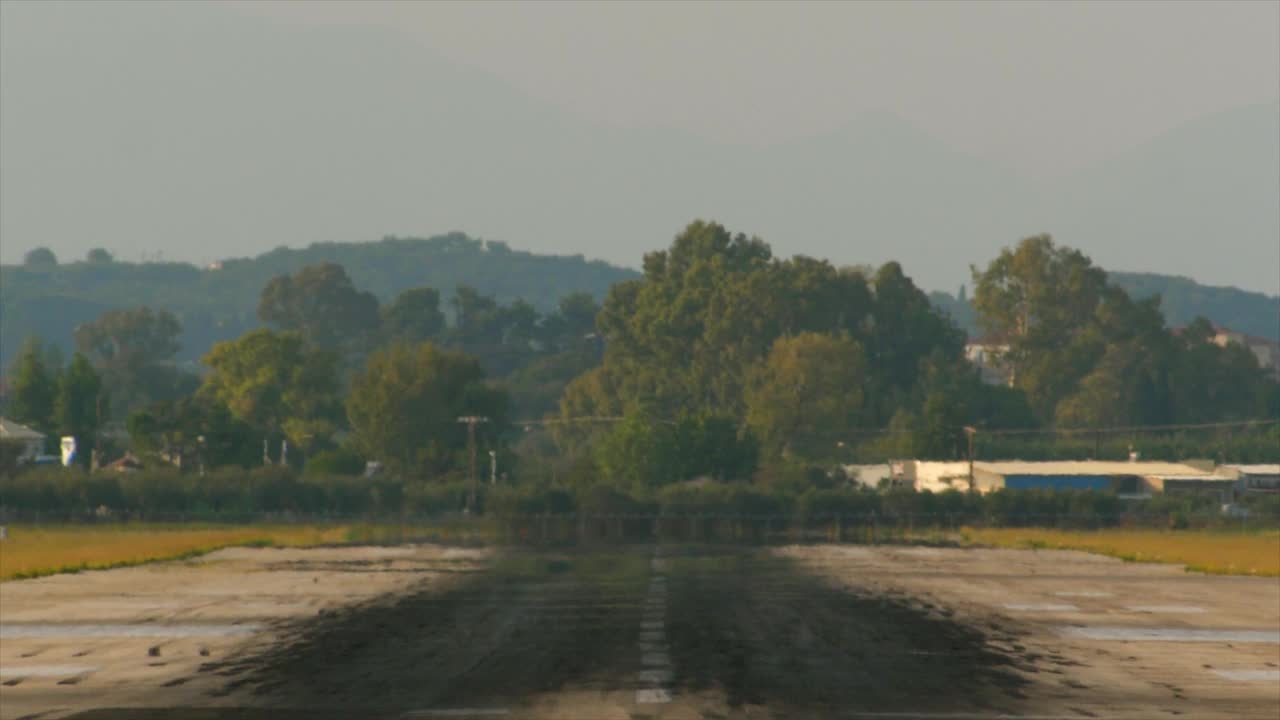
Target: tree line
721, 361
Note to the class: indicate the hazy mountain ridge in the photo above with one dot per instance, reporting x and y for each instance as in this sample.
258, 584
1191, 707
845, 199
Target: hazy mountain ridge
220, 304
1181, 299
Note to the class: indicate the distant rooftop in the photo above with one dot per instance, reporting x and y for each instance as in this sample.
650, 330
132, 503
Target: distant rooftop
1089, 467
1256, 469
13, 430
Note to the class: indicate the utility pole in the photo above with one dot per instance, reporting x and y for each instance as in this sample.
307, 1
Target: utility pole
471, 421
493, 467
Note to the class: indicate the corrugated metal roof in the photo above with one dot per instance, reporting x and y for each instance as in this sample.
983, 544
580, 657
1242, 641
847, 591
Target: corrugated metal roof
1199, 478
1088, 467
17, 431
1256, 469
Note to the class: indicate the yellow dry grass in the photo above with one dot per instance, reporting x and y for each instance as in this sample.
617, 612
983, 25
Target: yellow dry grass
1217, 552
32, 551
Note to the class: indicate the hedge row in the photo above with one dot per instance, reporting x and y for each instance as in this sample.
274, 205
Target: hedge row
274, 491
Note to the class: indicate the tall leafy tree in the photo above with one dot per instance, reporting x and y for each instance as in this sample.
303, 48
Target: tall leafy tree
687, 337
808, 394
413, 317
81, 406
34, 390
404, 407
40, 258
197, 429
321, 304
134, 349
134, 337
1044, 300
277, 384
99, 256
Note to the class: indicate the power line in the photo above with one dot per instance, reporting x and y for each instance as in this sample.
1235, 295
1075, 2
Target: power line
1116, 429
1126, 428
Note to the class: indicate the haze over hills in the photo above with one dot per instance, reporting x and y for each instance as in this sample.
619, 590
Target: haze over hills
220, 303
340, 133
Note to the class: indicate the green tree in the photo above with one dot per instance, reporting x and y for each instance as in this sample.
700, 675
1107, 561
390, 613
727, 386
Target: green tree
906, 329
640, 451
413, 317
40, 258
277, 384
1045, 300
195, 430
99, 256
403, 407
81, 406
1210, 382
133, 349
808, 395
321, 304
130, 338
32, 397
686, 337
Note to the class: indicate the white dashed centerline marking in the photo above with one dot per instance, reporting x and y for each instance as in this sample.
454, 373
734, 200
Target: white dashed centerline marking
1249, 675
1041, 607
652, 640
1159, 634
32, 671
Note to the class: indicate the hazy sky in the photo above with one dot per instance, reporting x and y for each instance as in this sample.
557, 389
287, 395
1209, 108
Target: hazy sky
206, 130
1041, 87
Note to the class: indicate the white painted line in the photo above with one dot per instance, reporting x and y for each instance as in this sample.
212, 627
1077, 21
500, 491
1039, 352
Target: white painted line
1041, 607
858, 715
657, 564
1249, 675
652, 636
46, 671
653, 696
1166, 634
1172, 609
655, 677
648, 625
659, 648
14, 631
457, 712
655, 659
1083, 594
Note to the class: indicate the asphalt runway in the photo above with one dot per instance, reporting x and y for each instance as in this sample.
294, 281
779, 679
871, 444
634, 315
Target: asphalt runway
647, 631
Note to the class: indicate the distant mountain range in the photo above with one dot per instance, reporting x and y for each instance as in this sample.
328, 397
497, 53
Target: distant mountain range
220, 302
1182, 300
345, 132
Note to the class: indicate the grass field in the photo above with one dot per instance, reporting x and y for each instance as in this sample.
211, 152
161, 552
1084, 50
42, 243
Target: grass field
32, 551
38, 550
1218, 552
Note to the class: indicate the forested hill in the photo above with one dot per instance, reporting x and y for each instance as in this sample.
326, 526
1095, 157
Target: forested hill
220, 303
1182, 300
